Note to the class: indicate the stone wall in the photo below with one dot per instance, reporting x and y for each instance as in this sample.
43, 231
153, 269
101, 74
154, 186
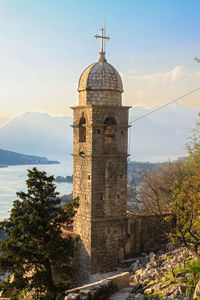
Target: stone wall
146, 233
99, 290
100, 97
108, 239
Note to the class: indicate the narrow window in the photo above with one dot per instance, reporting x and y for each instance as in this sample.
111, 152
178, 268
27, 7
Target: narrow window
82, 129
109, 130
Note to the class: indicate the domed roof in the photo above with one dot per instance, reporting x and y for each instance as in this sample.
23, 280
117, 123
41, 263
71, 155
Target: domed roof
100, 76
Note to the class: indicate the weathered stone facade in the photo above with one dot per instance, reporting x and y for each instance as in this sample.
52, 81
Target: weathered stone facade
100, 168
146, 233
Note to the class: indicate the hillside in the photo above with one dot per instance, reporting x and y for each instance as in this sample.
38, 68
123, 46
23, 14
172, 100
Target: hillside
9, 158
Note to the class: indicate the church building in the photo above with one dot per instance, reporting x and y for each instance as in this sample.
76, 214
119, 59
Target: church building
100, 139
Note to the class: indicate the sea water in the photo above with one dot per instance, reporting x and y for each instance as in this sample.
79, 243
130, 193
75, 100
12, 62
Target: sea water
12, 180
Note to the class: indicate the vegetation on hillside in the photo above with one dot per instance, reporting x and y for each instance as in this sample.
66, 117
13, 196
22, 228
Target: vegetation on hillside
166, 275
176, 188
34, 251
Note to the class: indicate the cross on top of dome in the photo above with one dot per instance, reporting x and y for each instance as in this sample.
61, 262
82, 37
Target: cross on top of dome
100, 83
102, 37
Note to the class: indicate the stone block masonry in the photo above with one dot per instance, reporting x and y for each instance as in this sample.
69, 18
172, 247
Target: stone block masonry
146, 233
99, 290
100, 97
100, 182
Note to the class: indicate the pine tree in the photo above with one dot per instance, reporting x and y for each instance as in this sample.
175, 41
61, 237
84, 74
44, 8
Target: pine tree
34, 250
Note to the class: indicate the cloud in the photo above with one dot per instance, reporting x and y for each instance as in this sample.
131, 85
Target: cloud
160, 88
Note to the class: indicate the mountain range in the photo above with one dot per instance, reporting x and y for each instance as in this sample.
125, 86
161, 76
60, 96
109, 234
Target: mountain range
37, 133
156, 137
162, 134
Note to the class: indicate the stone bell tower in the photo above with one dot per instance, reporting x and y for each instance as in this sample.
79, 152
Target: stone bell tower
100, 167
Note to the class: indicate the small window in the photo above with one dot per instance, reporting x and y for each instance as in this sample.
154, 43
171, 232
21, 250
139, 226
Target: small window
101, 197
98, 131
82, 129
122, 132
88, 177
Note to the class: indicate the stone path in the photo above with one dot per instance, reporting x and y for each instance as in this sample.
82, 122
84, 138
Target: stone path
122, 294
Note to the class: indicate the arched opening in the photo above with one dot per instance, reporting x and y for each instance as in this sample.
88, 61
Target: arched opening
109, 129
82, 130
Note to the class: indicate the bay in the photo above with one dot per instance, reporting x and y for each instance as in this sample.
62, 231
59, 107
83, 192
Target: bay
12, 180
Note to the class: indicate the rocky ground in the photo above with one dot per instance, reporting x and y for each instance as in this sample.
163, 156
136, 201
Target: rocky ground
174, 274
170, 275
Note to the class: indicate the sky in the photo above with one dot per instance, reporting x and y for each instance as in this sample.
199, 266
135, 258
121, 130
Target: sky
46, 44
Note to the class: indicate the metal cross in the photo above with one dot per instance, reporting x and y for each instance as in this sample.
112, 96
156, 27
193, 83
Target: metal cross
102, 37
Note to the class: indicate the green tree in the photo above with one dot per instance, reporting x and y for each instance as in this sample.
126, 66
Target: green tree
186, 199
176, 189
34, 250
185, 207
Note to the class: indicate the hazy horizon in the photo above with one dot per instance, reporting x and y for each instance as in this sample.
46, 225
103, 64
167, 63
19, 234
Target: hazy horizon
157, 137
4, 120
